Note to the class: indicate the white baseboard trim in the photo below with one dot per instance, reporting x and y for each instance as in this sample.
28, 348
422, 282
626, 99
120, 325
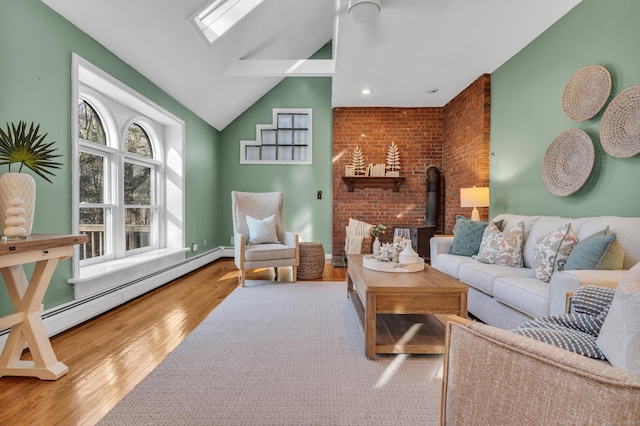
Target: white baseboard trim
63, 317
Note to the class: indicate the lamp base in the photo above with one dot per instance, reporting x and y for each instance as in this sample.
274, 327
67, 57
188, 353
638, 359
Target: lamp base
475, 214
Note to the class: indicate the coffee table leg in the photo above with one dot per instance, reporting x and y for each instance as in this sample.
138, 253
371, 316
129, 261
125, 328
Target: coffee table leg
370, 326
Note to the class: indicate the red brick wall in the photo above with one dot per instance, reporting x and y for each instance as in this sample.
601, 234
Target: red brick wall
454, 138
466, 152
418, 133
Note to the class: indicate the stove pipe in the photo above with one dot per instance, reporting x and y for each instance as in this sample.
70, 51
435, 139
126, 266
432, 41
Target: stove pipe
433, 195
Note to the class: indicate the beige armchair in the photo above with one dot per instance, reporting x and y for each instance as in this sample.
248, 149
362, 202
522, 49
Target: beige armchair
260, 240
496, 377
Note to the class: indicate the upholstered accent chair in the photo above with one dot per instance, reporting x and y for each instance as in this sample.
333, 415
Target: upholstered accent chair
260, 240
496, 377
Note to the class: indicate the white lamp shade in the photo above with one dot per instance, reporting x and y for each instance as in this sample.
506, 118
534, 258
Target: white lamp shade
363, 11
474, 197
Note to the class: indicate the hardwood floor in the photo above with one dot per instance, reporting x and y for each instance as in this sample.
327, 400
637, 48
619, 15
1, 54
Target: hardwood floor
110, 354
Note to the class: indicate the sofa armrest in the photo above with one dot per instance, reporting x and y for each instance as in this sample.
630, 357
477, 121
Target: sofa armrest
564, 282
495, 376
439, 245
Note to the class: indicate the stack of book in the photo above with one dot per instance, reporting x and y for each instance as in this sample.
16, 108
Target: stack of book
375, 170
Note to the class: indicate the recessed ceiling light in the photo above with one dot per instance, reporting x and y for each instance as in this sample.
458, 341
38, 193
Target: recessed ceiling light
432, 90
365, 91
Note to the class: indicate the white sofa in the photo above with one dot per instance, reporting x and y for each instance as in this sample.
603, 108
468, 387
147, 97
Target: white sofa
504, 296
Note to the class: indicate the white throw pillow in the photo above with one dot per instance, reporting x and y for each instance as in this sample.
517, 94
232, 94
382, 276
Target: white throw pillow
358, 228
619, 338
262, 231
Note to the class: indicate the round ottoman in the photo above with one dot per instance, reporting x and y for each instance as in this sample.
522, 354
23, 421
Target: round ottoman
311, 264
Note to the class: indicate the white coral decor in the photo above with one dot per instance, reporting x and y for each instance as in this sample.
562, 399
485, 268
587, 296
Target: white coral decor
393, 157
357, 161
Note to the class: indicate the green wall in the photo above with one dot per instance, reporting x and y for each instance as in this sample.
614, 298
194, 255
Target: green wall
35, 85
526, 113
303, 212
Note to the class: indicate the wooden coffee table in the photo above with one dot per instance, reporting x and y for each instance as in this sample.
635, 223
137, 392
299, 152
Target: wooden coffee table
403, 312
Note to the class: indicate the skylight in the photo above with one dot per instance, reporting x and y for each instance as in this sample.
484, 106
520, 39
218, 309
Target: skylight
219, 16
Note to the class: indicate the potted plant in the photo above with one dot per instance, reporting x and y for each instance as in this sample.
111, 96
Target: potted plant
27, 147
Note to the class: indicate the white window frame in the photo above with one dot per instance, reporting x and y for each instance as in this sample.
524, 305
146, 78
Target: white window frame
118, 107
274, 126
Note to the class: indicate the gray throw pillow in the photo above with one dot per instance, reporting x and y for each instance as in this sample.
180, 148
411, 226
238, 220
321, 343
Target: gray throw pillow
467, 236
589, 251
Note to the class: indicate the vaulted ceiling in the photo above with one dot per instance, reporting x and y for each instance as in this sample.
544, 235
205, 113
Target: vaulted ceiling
412, 47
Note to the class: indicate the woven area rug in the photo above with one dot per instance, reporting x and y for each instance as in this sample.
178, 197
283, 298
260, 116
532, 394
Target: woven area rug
283, 354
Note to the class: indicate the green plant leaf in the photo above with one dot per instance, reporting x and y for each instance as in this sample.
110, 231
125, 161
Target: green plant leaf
28, 148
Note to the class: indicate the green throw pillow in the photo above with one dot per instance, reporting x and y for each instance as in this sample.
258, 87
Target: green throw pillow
467, 236
590, 252
613, 257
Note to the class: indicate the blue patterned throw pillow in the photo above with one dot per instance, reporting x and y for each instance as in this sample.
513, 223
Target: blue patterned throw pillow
590, 251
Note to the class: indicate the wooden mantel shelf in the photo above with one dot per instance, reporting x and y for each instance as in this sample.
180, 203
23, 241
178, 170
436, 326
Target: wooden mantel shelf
384, 182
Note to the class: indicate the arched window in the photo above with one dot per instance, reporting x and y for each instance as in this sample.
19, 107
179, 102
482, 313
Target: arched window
93, 187
139, 200
89, 124
138, 142
120, 219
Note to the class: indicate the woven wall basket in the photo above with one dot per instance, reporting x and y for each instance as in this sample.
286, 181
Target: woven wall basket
586, 93
568, 162
620, 126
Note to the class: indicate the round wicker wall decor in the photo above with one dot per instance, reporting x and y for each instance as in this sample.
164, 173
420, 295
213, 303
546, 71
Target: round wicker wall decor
568, 162
586, 93
620, 126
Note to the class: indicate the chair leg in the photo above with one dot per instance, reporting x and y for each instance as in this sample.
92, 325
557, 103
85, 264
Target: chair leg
295, 273
275, 270
241, 277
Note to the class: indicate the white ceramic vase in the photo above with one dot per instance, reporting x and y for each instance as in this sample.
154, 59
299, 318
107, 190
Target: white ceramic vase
408, 255
22, 186
376, 246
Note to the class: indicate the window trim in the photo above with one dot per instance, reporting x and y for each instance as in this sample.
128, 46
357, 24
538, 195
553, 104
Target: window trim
274, 126
91, 83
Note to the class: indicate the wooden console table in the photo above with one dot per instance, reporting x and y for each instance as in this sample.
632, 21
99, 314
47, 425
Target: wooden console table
26, 322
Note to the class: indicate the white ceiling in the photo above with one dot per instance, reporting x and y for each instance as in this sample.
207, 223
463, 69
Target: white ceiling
413, 46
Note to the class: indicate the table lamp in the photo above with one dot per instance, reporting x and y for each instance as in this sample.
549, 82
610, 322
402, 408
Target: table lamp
474, 197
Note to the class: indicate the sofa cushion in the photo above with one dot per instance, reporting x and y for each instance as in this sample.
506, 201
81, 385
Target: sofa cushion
481, 275
467, 235
591, 251
619, 338
260, 252
552, 250
450, 264
626, 230
502, 247
528, 295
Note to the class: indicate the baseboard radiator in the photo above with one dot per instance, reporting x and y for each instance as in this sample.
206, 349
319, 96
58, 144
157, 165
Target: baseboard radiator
63, 317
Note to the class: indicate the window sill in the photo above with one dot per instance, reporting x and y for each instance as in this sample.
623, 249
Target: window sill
105, 276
